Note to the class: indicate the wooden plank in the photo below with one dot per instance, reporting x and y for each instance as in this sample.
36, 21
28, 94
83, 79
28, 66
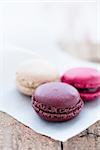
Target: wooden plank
16, 136
87, 140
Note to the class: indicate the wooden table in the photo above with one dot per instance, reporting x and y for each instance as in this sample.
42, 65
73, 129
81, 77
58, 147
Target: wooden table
16, 136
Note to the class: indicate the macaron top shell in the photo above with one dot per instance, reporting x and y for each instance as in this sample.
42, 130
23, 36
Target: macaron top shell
32, 73
57, 94
82, 77
35, 68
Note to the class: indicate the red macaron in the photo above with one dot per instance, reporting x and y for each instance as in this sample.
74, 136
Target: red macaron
86, 80
57, 101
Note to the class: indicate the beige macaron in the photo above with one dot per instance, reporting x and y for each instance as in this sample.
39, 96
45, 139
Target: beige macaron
33, 73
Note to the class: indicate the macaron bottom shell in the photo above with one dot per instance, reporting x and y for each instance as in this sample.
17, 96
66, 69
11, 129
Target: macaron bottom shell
90, 96
58, 115
25, 90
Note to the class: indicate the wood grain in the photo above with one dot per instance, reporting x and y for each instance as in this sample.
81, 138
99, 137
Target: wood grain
87, 140
16, 136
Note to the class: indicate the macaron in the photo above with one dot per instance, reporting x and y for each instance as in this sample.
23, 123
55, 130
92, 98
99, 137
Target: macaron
86, 80
57, 102
32, 73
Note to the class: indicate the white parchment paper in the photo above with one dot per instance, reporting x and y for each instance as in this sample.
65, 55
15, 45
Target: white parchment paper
19, 106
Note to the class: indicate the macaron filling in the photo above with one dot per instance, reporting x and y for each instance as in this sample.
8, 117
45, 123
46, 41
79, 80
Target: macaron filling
89, 90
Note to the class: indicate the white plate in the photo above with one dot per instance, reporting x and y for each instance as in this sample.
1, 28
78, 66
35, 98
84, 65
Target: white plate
19, 106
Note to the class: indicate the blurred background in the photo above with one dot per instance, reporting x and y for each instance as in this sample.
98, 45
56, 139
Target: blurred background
73, 26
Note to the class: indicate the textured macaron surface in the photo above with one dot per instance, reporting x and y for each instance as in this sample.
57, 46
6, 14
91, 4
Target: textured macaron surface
52, 109
57, 101
53, 114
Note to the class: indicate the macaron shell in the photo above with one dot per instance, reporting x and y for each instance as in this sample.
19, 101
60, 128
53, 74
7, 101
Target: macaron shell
90, 96
25, 90
57, 94
36, 68
82, 77
33, 73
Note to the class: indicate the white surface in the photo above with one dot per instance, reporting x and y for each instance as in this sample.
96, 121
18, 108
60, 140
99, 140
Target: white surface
19, 106
29, 24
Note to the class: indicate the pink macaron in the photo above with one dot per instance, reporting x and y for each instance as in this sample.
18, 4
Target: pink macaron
86, 80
